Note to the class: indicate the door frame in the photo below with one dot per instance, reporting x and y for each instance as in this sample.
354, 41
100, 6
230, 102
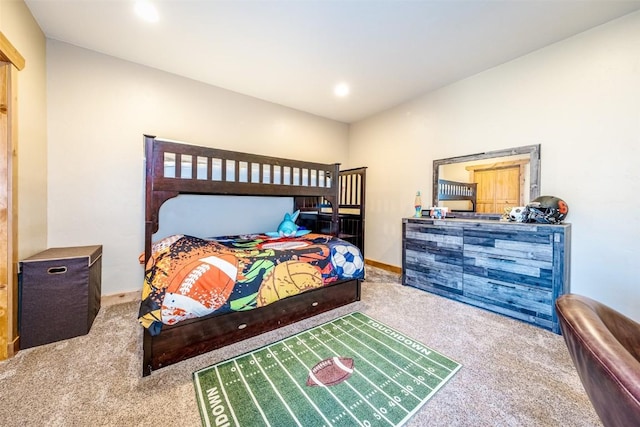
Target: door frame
10, 63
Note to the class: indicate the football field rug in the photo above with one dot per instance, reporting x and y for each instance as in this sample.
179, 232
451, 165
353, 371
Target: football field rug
352, 371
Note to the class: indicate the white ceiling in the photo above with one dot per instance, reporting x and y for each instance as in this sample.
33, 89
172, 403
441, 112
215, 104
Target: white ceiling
293, 52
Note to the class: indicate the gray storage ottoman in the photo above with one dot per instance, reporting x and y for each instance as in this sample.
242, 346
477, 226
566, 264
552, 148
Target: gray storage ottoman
60, 291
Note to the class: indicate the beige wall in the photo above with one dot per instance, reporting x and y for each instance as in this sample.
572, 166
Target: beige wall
99, 108
579, 99
17, 24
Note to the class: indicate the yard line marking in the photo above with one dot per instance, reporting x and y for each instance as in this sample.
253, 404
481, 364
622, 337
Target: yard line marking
391, 348
381, 371
202, 402
400, 354
226, 398
404, 344
401, 369
276, 390
293, 380
356, 391
244, 381
324, 388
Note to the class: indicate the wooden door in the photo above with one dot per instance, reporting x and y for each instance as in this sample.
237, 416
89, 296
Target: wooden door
10, 62
497, 189
485, 191
507, 189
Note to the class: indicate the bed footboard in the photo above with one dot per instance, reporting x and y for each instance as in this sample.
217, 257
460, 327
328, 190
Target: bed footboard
198, 336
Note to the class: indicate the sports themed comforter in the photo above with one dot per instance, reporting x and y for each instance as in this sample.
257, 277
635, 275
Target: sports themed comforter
189, 277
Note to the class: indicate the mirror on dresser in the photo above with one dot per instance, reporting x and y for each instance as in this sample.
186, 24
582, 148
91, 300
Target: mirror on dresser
484, 184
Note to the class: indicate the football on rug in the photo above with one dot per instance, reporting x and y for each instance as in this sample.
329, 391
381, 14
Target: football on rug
330, 371
353, 370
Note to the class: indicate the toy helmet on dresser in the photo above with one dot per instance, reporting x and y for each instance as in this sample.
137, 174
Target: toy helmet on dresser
547, 210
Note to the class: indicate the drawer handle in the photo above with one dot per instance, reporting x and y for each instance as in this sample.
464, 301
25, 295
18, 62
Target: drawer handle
510, 261
242, 326
57, 270
315, 303
503, 285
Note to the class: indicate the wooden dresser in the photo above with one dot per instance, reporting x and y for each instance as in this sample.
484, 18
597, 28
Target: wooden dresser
515, 269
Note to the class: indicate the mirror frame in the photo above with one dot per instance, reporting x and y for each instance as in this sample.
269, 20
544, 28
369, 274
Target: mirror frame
534, 169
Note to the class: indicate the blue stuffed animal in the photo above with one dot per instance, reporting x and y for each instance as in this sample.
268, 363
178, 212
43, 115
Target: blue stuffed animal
288, 227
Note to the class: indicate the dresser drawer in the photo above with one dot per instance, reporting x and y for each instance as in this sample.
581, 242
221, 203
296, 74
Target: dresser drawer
536, 246
510, 256
424, 268
434, 236
433, 257
509, 269
526, 299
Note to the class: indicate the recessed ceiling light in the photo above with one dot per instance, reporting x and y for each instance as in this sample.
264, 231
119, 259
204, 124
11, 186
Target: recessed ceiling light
341, 90
147, 11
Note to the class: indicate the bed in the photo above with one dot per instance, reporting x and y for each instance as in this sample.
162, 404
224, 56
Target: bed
457, 191
209, 171
351, 208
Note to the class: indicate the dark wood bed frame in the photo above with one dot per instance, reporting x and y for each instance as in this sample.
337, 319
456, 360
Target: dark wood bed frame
249, 175
351, 209
454, 190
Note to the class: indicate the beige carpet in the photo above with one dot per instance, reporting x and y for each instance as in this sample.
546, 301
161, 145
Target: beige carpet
513, 374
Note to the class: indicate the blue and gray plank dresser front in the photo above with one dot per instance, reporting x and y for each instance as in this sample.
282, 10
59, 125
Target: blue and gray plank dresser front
515, 269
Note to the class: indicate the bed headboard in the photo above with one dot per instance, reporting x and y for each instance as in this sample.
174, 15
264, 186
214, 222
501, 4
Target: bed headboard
351, 208
352, 188
453, 190
173, 168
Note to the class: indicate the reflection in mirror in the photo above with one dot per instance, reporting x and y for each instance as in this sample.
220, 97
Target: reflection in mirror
487, 183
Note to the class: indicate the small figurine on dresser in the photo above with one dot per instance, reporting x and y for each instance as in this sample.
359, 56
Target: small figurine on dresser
438, 212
